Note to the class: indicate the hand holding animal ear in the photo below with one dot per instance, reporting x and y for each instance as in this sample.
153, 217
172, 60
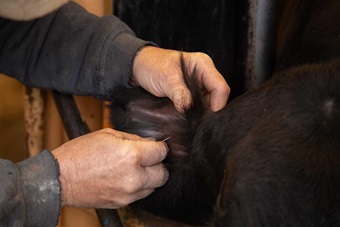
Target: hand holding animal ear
159, 72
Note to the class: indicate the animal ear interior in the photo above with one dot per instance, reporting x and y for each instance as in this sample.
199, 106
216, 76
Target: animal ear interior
145, 115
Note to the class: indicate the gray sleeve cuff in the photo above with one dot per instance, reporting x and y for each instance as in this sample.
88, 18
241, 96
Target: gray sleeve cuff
117, 59
119, 62
40, 187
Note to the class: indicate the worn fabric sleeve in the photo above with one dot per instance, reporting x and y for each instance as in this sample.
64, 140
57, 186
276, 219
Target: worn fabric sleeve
30, 192
69, 50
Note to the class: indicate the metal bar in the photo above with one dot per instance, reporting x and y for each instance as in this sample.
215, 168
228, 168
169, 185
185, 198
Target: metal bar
261, 36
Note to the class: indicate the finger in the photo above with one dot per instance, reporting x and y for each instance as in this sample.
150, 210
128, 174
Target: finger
140, 195
155, 176
218, 89
219, 98
151, 152
127, 199
181, 97
126, 136
210, 79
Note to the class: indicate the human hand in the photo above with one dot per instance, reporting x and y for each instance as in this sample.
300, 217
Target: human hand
159, 72
109, 169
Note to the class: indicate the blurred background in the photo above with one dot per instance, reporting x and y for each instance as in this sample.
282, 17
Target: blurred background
12, 128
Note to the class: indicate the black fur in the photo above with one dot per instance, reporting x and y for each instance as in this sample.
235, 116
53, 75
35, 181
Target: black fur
283, 169
272, 156
143, 114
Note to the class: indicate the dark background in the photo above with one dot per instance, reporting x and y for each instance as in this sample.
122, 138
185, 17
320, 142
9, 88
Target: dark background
215, 27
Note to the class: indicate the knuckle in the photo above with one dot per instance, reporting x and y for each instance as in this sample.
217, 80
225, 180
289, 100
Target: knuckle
225, 89
133, 156
133, 185
120, 202
203, 57
107, 130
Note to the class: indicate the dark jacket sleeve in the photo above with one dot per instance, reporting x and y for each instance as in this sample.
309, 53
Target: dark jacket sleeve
72, 51
30, 192
69, 50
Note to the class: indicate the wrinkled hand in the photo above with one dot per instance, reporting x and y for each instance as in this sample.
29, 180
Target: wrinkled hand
159, 71
109, 169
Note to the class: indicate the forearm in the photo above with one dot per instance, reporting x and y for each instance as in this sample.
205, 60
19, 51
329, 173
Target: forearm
69, 50
30, 192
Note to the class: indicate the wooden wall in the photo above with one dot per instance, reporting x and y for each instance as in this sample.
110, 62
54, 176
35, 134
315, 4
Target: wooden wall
12, 129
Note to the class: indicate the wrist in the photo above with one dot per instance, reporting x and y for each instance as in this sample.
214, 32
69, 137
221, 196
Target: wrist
139, 62
65, 185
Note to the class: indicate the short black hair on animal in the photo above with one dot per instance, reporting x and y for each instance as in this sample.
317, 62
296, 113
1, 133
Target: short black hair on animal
136, 111
271, 157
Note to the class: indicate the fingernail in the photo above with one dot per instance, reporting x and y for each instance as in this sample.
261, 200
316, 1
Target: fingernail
165, 149
166, 176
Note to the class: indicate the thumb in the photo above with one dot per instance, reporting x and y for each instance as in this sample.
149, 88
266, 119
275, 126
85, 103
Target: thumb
181, 97
152, 152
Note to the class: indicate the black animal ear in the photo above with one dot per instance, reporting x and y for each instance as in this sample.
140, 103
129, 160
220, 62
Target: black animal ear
136, 111
189, 194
